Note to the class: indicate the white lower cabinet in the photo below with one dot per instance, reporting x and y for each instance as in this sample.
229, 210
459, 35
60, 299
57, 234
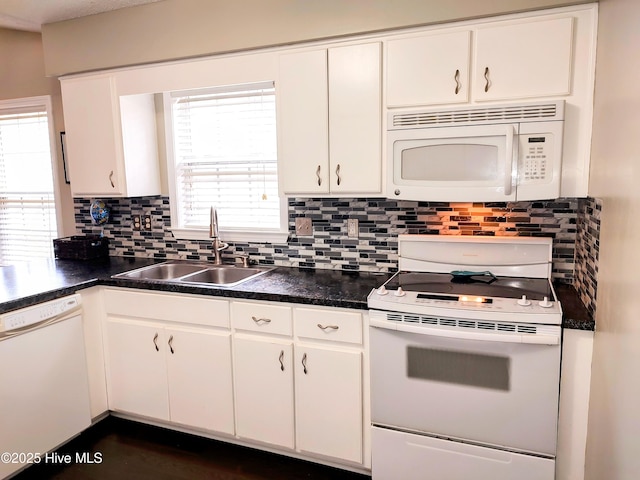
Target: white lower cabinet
329, 402
199, 377
177, 374
329, 383
163, 370
137, 374
320, 393
284, 376
264, 390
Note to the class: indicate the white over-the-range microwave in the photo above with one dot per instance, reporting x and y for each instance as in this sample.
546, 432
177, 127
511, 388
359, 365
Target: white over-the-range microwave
476, 154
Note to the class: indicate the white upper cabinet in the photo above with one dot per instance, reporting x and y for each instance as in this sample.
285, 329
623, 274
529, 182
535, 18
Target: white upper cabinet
528, 58
355, 119
303, 122
329, 120
428, 69
111, 143
523, 60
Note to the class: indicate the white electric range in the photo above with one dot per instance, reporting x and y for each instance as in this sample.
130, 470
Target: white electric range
465, 360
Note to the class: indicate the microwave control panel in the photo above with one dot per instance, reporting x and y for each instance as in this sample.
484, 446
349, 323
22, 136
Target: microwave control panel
535, 153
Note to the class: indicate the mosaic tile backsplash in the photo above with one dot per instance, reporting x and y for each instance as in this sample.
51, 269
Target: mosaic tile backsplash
587, 251
380, 221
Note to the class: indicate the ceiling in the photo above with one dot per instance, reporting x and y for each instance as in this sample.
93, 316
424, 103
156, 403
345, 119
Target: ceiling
32, 14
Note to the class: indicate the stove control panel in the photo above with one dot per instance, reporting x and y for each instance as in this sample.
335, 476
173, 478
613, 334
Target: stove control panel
467, 306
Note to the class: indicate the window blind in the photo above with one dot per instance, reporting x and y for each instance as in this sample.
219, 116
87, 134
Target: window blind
27, 204
225, 156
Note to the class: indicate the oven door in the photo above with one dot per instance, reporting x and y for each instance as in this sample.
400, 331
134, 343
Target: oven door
496, 392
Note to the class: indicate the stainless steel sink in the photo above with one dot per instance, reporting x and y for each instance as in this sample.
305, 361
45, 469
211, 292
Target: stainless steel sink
195, 273
222, 275
162, 271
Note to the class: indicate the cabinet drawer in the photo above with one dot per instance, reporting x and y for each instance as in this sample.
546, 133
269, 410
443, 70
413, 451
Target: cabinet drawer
261, 317
320, 324
169, 307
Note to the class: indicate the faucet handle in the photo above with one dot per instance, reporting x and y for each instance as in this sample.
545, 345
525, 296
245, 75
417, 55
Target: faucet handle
244, 259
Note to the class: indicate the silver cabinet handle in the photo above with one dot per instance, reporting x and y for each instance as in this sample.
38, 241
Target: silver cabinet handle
318, 175
487, 80
281, 359
456, 78
171, 344
111, 180
338, 174
325, 327
155, 341
263, 320
304, 363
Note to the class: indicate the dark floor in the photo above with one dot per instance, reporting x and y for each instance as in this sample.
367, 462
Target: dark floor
131, 450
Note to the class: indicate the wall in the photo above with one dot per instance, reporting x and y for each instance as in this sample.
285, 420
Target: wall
613, 449
174, 29
380, 222
22, 75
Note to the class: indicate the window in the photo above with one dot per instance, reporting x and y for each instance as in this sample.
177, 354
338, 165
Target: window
27, 204
224, 155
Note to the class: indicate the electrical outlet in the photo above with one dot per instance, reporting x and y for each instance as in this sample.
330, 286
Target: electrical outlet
303, 227
136, 222
352, 227
146, 222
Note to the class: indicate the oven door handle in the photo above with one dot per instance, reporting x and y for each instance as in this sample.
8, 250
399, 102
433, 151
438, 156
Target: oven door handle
538, 339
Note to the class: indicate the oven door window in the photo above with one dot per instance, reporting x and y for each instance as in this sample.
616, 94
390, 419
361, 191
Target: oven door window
462, 368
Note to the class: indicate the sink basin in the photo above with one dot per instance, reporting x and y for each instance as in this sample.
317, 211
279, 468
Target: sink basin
162, 271
195, 273
223, 275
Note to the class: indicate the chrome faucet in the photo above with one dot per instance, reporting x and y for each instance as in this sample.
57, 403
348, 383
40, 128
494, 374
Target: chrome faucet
218, 245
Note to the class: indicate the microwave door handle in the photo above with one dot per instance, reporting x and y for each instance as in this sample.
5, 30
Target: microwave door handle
508, 163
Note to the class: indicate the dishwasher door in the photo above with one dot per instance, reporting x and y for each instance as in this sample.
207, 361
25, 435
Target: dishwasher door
44, 399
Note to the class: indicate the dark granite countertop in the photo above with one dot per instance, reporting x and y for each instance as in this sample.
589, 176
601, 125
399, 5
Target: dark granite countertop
574, 314
40, 281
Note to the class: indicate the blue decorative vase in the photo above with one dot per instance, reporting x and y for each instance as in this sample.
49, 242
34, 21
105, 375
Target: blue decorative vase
99, 212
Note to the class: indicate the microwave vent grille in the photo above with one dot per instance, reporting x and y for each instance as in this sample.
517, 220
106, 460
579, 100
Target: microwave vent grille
471, 116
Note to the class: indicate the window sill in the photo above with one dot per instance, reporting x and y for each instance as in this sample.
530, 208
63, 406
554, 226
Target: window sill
238, 236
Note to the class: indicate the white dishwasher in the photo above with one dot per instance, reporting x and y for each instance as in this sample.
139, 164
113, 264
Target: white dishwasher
44, 391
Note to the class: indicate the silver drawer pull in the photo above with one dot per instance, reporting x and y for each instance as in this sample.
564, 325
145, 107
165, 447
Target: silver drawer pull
325, 327
259, 320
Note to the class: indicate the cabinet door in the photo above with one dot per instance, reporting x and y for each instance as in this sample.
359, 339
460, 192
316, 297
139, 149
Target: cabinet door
137, 376
263, 379
303, 135
199, 376
329, 413
527, 59
355, 126
93, 142
428, 70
